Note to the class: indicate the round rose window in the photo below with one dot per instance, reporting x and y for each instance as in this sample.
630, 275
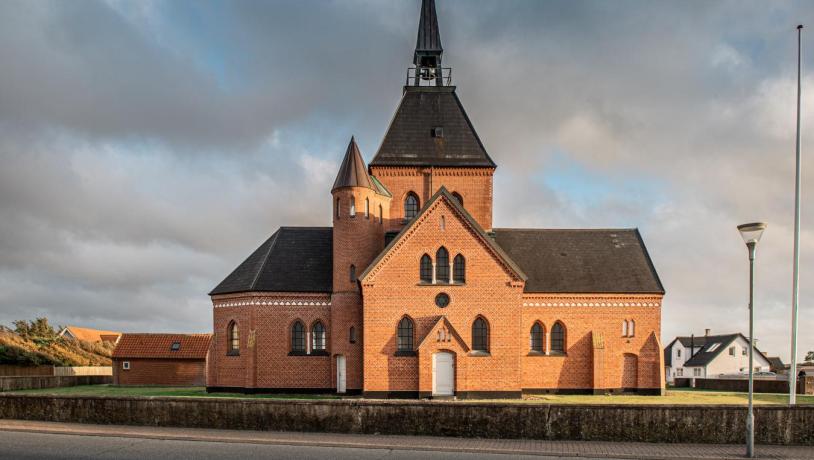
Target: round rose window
442, 300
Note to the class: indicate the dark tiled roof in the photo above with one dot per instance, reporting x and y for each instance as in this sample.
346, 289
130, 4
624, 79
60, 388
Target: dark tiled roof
190, 346
293, 259
581, 261
409, 140
708, 351
429, 38
353, 171
776, 363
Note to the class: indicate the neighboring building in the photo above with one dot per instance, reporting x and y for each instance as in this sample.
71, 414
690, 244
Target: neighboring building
90, 335
776, 365
711, 356
413, 293
161, 359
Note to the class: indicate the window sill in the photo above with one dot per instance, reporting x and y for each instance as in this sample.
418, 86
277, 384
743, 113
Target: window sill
557, 353
405, 353
233, 353
479, 354
439, 284
319, 353
536, 353
313, 353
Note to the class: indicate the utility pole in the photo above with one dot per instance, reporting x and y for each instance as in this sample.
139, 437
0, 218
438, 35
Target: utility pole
796, 282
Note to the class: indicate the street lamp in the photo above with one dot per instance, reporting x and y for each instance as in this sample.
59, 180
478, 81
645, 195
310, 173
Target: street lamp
751, 234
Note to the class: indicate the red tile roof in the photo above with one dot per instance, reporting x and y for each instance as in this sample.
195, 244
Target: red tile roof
192, 346
90, 335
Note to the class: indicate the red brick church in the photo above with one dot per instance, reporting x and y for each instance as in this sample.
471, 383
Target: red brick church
413, 293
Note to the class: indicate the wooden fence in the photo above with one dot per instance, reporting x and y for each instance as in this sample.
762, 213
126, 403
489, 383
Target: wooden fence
11, 370
82, 370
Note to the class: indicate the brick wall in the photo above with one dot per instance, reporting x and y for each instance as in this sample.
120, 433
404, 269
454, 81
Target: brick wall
473, 184
174, 372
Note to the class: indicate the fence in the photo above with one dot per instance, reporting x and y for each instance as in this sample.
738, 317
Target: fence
38, 382
805, 385
82, 370
11, 370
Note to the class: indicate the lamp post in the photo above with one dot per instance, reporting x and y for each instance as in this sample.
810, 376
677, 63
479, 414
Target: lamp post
751, 234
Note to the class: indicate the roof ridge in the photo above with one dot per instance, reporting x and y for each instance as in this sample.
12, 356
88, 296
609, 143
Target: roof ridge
273, 239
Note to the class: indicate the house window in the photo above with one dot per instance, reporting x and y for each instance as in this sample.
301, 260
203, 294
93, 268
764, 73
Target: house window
410, 206
558, 338
298, 338
404, 338
352, 273
126, 365
731, 351
480, 335
352, 335
537, 338
678, 352
233, 339
318, 337
367, 208
442, 265
680, 372
442, 300
175, 346
458, 198
459, 269
426, 269
696, 372
353, 207
745, 351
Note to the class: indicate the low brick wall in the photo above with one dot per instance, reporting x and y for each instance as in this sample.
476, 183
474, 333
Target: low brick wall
804, 385
31, 383
646, 423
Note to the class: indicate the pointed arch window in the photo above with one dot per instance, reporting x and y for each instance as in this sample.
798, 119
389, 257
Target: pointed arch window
458, 198
233, 339
381, 214
558, 338
426, 269
352, 335
480, 335
318, 337
410, 206
337, 207
624, 328
298, 337
367, 208
352, 273
404, 338
442, 265
353, 207
631, 329
459, 269
536, 339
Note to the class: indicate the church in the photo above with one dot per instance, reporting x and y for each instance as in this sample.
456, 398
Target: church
413, 293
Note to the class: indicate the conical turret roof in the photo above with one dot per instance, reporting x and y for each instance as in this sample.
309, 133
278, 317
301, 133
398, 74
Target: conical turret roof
353, 171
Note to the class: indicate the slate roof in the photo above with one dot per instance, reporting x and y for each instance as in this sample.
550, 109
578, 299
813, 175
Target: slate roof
704, 356
293, 259
429, 38
581, 261
409, 140
353, 171
192, 346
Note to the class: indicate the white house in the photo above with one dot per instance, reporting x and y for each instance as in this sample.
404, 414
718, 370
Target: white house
710, 356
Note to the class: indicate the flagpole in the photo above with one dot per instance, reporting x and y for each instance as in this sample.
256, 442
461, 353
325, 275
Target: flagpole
796, 275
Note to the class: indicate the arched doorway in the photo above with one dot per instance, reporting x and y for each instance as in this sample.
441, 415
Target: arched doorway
630, 372
443, 374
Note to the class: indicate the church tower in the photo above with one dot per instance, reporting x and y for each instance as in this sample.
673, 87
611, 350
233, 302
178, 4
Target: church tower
431, 141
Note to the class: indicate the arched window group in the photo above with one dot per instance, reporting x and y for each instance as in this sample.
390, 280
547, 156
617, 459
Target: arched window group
537, 339
404, 336
300, 341
628, 328
410, 206
440, 272
232, 339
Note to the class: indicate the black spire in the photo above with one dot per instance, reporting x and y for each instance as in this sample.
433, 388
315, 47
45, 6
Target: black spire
428, 50
353, 172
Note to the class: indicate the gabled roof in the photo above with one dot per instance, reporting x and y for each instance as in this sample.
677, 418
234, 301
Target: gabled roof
709, 351
581, 261
353, 171
293, 259
429, 38
478, 230
86, 334
190, 346
410, 141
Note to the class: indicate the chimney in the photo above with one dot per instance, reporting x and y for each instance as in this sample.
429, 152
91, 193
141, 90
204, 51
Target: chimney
706, 332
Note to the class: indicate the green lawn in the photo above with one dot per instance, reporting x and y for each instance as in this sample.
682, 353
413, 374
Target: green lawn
673, 396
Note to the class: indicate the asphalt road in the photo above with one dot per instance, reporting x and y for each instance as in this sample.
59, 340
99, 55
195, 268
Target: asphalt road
24, 446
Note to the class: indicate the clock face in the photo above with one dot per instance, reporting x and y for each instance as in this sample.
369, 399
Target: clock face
442, 300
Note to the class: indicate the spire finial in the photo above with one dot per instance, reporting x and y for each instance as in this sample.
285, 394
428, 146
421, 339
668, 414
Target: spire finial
428, 50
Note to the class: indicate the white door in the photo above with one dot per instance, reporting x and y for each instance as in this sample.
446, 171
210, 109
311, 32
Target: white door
340, 374
443, 374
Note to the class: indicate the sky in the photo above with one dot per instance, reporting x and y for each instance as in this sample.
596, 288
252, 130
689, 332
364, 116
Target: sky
148, 147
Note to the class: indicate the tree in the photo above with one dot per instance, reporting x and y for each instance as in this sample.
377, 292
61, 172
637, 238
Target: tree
37, 329
810, 356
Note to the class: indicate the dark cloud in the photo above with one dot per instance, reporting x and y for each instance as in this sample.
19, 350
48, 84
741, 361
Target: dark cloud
147, 147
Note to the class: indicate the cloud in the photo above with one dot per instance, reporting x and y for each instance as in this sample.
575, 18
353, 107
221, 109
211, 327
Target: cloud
147, 148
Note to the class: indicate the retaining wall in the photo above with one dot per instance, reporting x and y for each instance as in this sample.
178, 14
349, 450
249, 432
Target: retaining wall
804, 385
646, 423
34, 382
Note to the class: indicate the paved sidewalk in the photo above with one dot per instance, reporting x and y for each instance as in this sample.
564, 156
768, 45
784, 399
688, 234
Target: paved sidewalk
578, 449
